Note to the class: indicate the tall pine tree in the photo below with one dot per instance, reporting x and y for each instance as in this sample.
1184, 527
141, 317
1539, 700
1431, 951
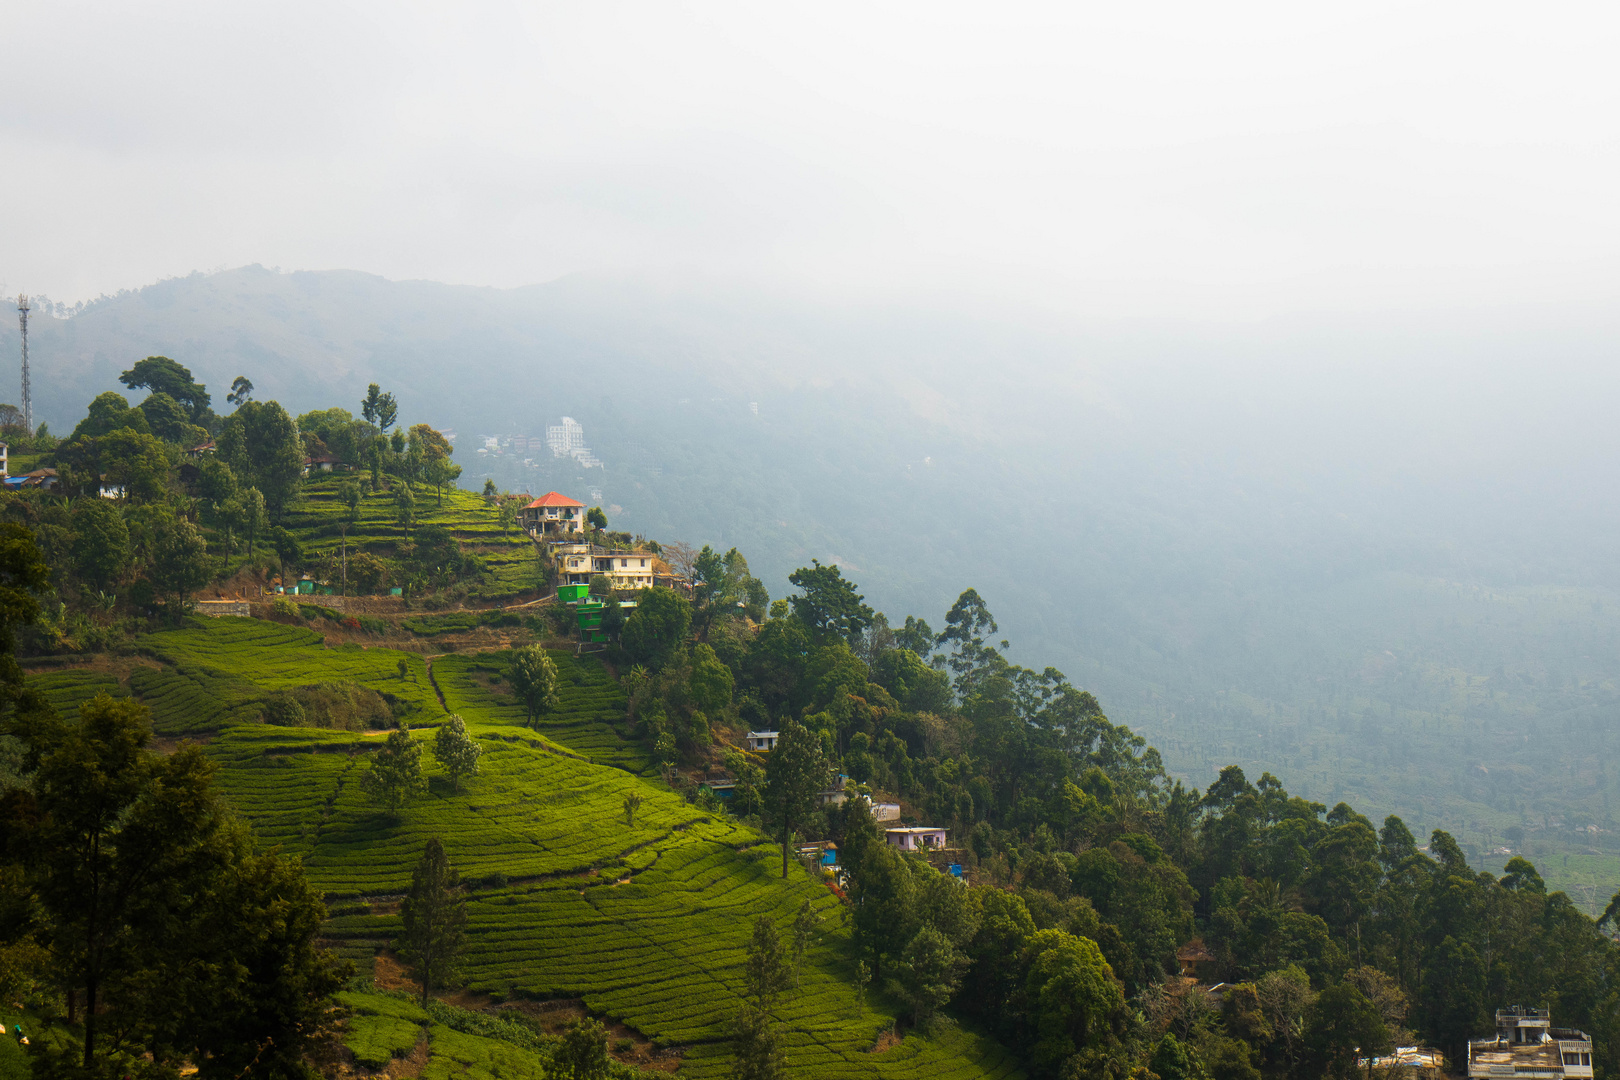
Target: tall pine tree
794, 773
434, 916
758, 1045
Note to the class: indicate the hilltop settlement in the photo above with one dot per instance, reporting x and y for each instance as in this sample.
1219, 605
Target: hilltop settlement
316, 762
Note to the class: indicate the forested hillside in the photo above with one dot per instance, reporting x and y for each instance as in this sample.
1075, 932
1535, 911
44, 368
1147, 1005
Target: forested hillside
1380, 571
548, 774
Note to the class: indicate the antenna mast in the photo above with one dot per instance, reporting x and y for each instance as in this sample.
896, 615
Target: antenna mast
28, 407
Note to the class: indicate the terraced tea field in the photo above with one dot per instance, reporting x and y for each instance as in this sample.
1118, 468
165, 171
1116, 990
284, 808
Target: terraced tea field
645, 922
67, 690
318, 518
590, 720
221, 664
533, 812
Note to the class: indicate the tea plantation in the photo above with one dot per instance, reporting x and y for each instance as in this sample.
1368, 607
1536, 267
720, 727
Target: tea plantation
645, 922
67, 690
318, 518
273, 656
590, 721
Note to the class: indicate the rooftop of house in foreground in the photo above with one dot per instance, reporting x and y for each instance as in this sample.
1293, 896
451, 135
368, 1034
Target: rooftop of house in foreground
554, 498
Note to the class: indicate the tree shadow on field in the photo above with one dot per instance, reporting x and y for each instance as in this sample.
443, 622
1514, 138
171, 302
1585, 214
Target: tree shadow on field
439, 787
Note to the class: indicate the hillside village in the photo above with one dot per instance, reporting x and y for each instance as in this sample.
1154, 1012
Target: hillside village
677, 824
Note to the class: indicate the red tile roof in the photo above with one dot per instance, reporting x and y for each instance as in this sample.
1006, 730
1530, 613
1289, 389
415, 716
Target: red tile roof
551, 498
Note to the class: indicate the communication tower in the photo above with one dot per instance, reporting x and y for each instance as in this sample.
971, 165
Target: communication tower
28, 406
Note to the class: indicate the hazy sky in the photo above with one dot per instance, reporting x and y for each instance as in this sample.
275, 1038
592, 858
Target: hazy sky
1225, 160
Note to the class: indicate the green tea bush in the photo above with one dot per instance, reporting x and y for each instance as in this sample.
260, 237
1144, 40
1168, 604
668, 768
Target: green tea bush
479, 1046
508, 1027
377, 1040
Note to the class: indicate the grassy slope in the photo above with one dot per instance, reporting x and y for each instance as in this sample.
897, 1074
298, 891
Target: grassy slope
646, 923
317, 518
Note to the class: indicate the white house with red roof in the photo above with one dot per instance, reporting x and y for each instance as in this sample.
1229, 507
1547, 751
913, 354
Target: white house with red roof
553, 513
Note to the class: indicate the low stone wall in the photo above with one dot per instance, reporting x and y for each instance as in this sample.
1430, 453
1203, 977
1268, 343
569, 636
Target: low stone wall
217, 608
354, 605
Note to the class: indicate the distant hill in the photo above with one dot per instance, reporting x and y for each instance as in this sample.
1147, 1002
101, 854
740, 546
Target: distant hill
1378, 562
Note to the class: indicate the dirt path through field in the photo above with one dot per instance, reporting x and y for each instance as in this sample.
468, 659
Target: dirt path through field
427, 662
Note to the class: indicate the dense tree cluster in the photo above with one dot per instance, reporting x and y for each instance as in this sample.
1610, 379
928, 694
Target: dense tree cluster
129, 889
154, 501
1092, 868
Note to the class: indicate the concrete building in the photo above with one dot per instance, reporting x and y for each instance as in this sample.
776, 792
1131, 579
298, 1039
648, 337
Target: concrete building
836, 795
565, 438
324, 463
626, 569
552, 512
1527, 1045
39, 478
885, 811
915, 838
578, 562
762, 742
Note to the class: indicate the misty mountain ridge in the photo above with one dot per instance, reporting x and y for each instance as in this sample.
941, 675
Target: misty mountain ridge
1373, 562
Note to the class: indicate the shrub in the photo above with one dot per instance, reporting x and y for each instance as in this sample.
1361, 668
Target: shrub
284, 710
367, 573
345, 705
284, 608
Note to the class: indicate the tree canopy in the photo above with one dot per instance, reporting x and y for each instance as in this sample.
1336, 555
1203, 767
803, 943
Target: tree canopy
433, 918
828, 603
140, 879
260, 442
163, 376
534, 680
